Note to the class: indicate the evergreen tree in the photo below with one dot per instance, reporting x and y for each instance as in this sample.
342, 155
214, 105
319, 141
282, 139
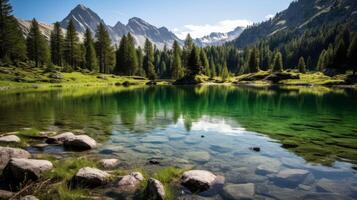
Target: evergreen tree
71, 46
194, 64
187, 49
224, 72
321, 64
121, 56
149, 60
141, 71
37, 47
278, 62
329, 57
204, 62
132, 57
12, 42
339, 57
90, 54
212, 68
302, 65
253, 61
105, 52
57, 42
352, 54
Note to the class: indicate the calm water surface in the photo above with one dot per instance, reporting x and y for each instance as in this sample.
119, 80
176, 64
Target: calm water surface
212, 128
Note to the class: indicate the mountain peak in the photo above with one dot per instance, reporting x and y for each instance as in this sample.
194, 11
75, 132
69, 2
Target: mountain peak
81, 6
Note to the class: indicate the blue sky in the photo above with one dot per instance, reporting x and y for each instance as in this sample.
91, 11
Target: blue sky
199, 17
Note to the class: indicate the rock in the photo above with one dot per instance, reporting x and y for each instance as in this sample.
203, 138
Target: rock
239, 191
198, 156
40, 146
326, 185
176, 136
220, 148
56, 75
4, 194
29, 197
59, 139
279, 76
256, 149
10, 138
290, 177
22, 169
6, 153
154, 139
130, 182
272, 166
199, 180
109, 163
80, 142
193, 139
90, 178
155, 190
304, 187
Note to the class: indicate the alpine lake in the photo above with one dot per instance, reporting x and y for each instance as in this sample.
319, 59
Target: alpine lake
286, 142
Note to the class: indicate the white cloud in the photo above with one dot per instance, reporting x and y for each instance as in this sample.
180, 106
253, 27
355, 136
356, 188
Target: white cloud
269, 16
198, 31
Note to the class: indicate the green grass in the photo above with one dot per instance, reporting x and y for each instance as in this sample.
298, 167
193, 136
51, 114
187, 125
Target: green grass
31, 132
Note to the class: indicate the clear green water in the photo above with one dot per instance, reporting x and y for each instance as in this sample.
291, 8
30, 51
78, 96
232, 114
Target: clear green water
314, 129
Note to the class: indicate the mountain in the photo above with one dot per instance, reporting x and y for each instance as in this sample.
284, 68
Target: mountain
216, 39
300, 16
84, 17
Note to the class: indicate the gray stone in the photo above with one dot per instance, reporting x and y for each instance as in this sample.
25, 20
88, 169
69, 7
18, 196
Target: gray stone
220, 148
109, 163
304, 187
239, 191
198, 156
59, 139
19, 169
268, 167
6, 153
199, 180
10, 138
29, 197
90, 177
40, 146
326, 185
4, 194
290, 177
154, 139
80, 142
176, 136
130, 182
193, 139
155, 190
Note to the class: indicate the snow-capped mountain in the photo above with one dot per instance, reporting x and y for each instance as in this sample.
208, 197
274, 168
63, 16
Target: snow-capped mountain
216, 39
84, 17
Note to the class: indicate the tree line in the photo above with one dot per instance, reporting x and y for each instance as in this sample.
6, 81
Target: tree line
315, 49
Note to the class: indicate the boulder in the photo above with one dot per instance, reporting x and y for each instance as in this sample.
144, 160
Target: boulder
272, 166
21, 169
80, 143
239, 191
29, 197
290, 177
198, 156
109, 163
90, 178
327, 185
130, 182
6, 153
10, 138
155, 190
59, 139
200, 180
4, 194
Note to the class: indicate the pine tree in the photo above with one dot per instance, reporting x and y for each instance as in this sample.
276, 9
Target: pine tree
141, 71
37, 47
187, 49
339, 56
204, 62
253, 61
149, 60
121, 56
278, 62
321, 64
132, 58
194, 64
212, 68
177, 70
105, 52
71, 46
90, 54
224, 72
57, 42
302, 65
352, 54
12, 42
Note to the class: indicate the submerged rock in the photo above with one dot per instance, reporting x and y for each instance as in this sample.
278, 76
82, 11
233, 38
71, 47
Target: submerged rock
155, 190
290, 177
239, 191
10, 138
272, 166
109, 163
80, 143
198, 156
154, 139
327, 185
130, 182
200, 180
21, 169
29, 197
6, 153
90, 177
59, 139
